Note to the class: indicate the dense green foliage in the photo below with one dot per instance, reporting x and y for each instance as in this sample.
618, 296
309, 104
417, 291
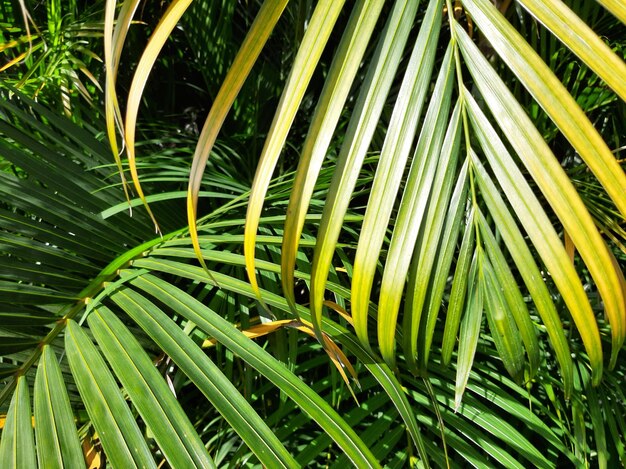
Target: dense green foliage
412, 241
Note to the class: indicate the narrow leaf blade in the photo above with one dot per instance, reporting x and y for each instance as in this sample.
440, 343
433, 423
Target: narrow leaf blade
17, 448
309, 53
156, 404
58, 445
118, 431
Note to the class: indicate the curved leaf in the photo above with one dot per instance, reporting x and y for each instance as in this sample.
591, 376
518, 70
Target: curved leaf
256, 38
586, 44
361, 128
394, 154
161, 33
550, 93
345, 65
409, 220
225, 333
313, 43
58, 445
113, 43
148, 391
17, 448
536, 223
559, 192
118, 431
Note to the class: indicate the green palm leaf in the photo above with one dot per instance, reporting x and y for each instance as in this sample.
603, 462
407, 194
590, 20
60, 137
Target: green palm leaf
410, 217
317, 33
58, 445
121, 437
358, 137
206, 375
154, 401
345, 66
570, 119
393, 157
489, 246
17, 448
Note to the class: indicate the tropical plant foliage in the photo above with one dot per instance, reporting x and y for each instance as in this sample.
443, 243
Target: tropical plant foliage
53, 62
415, 258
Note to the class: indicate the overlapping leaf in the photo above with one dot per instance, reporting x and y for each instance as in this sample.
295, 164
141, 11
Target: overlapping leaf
473, 239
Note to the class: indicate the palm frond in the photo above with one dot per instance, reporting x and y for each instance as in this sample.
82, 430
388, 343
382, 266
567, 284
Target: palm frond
429, 215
